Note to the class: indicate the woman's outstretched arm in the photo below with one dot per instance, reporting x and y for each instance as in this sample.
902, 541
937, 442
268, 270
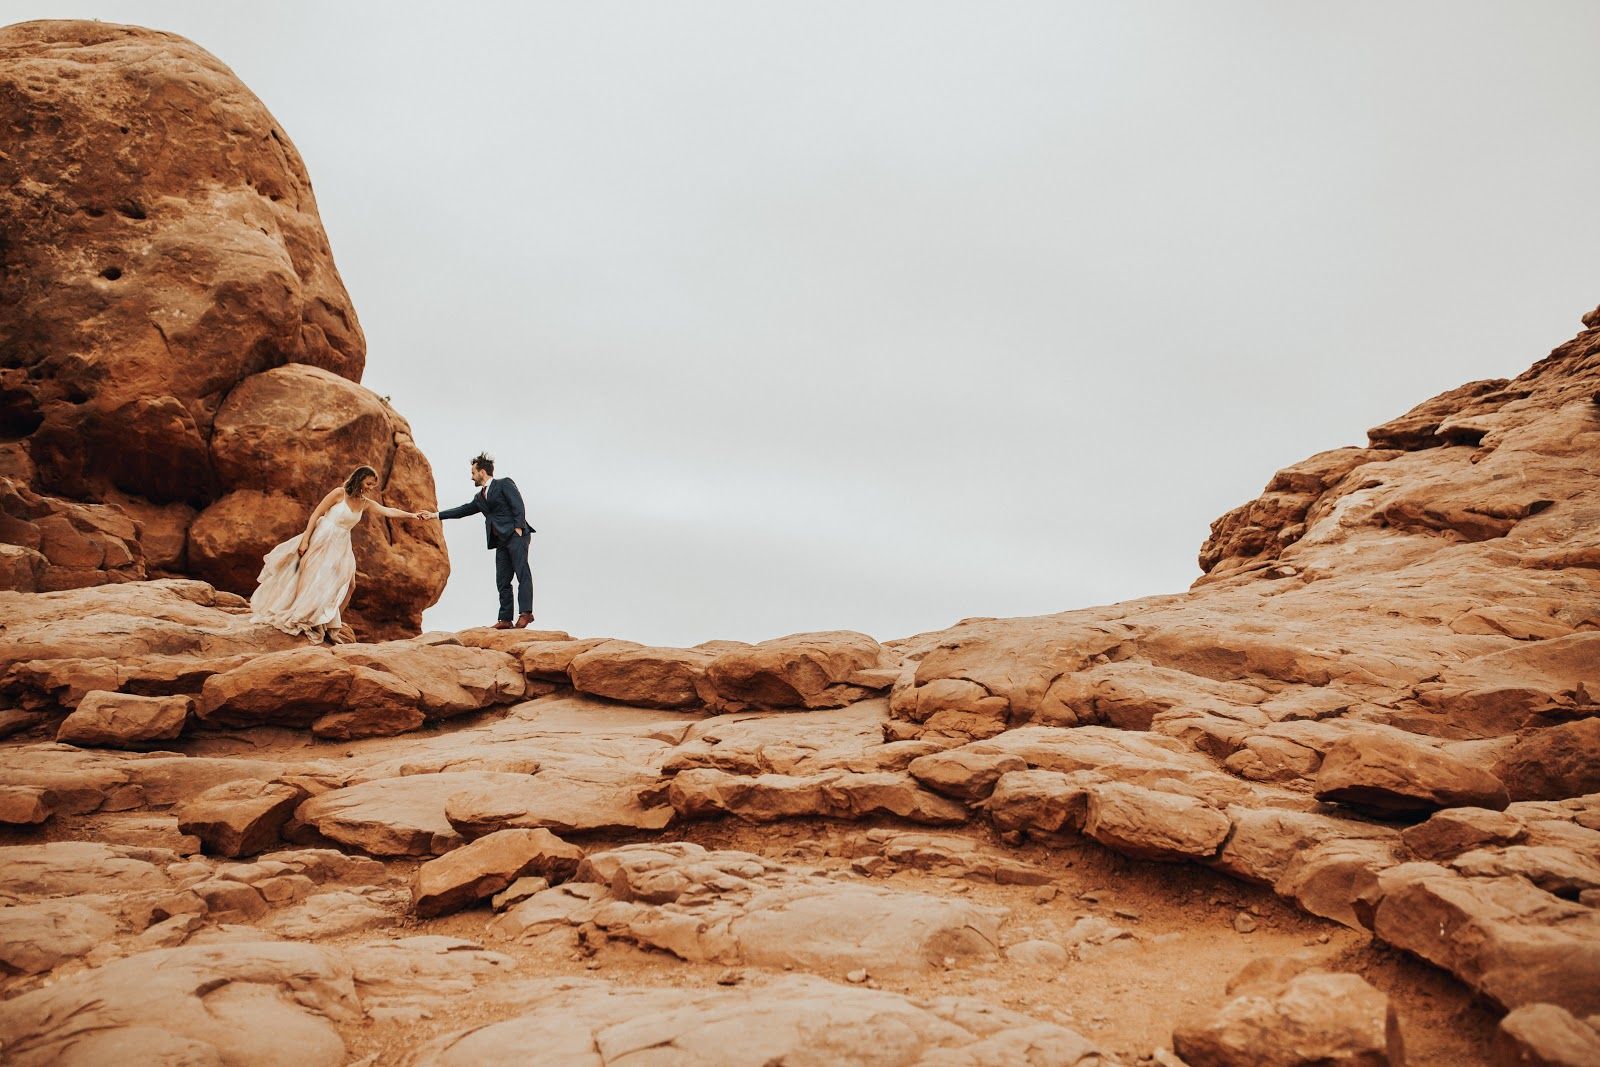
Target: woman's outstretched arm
393, 513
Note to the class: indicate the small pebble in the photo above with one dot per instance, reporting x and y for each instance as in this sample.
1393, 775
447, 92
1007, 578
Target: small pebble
729, 978
1045, 894
1093, 896
1244, 922
857, 976
1125, 913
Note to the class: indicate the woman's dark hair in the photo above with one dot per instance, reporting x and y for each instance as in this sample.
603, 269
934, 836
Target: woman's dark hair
484, 462
352, 484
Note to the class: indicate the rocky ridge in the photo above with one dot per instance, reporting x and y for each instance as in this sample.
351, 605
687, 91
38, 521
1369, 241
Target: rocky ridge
1336, 803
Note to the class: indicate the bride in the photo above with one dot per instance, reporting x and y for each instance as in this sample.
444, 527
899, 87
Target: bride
306, 582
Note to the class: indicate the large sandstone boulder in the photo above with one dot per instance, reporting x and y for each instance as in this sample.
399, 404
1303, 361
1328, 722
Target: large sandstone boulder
281, 440
161, 250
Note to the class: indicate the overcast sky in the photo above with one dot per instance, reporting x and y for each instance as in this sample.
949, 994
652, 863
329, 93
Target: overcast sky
880, 315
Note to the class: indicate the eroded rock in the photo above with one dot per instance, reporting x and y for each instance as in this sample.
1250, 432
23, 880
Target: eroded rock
243, 1003
484, 867
242, 817
1385, 775
119, 720
1310, 1021
399, 816
791, 1019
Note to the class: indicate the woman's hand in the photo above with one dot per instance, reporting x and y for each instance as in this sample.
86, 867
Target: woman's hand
304, 544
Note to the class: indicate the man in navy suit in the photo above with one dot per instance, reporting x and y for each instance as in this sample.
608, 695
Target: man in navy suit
506, 524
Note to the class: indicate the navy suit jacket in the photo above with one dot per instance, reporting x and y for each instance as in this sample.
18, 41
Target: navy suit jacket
501, 507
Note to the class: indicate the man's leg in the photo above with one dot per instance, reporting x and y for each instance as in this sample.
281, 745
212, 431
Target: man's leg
502, 579
519, 560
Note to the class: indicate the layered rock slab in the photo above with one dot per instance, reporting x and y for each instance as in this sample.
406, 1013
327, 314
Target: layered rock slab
563, 800
402, 816
265, 1003
1309, 1021
484, 867
361, 690
1385, 775
121, 720
798, 1020
1504, 937
738, 908
702, 792
240, 818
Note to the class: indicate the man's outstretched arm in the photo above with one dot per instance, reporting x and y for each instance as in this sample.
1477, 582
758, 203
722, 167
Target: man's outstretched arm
471, 507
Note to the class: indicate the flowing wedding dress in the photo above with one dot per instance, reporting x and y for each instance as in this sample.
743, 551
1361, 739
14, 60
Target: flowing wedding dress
304, 594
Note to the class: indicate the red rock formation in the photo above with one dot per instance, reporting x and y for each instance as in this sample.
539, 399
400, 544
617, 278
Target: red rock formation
177, 336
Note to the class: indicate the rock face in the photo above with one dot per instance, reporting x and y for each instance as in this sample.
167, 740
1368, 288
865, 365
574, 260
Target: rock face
1543, 1035
793, 1020
240, 818
25, 806
1384, 775
177, 333
361, 690
402, 816
488, 865
121, 720
736, 908
1555, 762
1309, 1021
285, 997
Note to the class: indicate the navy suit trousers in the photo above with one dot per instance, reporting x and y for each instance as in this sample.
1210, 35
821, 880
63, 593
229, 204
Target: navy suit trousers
511, 558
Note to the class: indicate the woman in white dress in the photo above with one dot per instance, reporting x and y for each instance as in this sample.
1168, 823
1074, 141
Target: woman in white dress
306, 582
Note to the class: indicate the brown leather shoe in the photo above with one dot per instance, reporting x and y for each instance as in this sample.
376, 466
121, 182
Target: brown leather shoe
524, 621
501, 624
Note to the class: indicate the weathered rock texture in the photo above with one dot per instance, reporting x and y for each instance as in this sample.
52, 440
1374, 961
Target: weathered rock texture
1369, 727
178, 359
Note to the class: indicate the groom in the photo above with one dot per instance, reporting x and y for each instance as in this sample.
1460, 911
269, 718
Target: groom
507, 527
